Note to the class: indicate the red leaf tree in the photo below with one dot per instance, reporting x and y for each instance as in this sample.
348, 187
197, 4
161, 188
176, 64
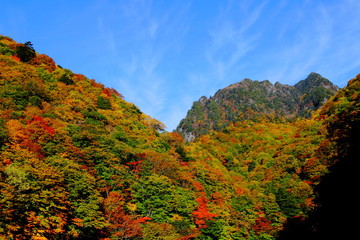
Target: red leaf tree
121, 224
202, 214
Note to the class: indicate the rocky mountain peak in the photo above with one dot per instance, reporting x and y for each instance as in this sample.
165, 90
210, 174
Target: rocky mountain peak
249, 98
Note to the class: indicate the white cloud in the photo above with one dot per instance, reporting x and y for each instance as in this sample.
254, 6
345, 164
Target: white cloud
153, 29
107, 36
232, 38
325, 40
145, 41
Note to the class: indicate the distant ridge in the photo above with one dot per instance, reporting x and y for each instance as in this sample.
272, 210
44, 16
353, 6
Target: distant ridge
248, 99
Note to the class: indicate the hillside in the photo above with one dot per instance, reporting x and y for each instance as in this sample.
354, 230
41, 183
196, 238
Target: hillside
251, 99
70, 151
336, 201
79, 162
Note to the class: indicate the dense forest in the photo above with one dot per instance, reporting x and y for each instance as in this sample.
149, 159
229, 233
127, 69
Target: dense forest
79, 162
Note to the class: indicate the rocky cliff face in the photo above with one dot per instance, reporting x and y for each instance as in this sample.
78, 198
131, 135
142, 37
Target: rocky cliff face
252, 99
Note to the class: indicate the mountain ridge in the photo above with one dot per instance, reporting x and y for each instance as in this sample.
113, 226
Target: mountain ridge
249, 98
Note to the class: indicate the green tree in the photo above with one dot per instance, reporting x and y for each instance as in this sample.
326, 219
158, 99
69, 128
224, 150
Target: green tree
26, 52
35, 202
103, 103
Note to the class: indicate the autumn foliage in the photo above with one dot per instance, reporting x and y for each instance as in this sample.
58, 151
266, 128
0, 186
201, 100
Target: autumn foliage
202, 214
122, 225
79, 162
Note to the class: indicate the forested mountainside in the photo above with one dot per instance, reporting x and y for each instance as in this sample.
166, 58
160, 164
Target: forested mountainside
252, 99
79, 162
336, 202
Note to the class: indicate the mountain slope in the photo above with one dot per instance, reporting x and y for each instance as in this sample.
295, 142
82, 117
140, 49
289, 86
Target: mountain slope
79, 162
249, 99
70, 149
336, 200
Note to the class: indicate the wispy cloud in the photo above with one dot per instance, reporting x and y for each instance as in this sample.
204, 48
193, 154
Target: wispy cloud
106, 35
320, 43
229, 45
245, 39
148, 38
231, 39
153, 29
343, 54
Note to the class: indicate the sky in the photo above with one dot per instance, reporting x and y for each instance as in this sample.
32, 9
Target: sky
163, 55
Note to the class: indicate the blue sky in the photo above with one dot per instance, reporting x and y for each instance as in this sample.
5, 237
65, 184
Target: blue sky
164, 55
